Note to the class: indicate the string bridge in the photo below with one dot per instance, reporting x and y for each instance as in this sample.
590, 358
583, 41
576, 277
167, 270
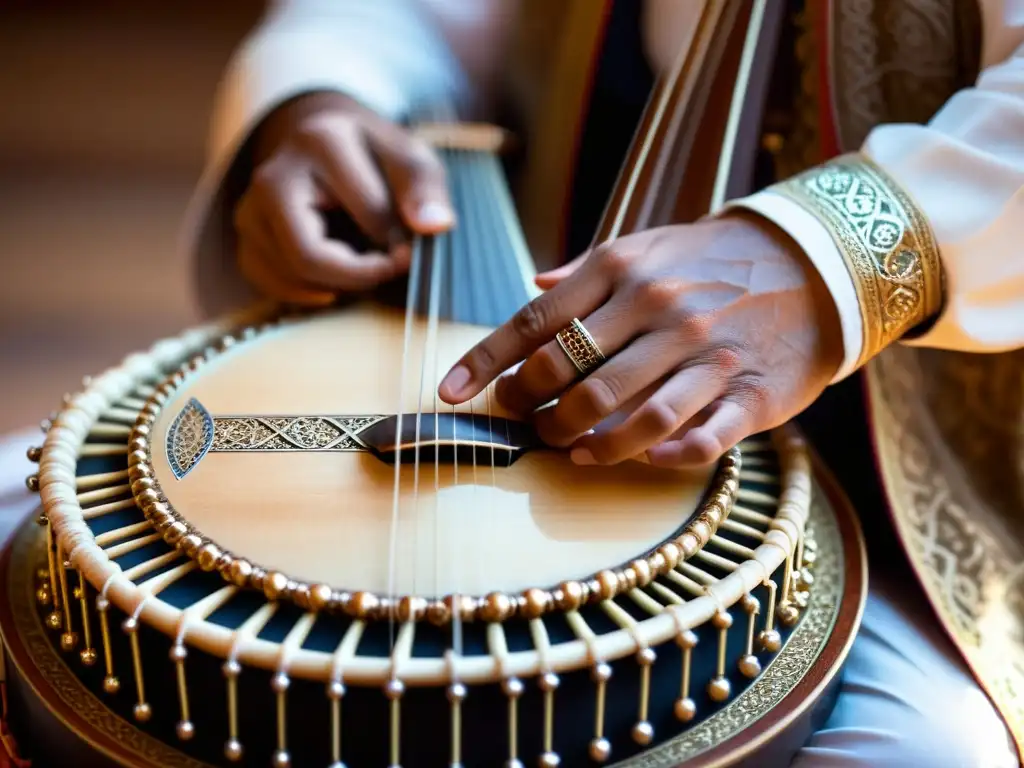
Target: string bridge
449, 438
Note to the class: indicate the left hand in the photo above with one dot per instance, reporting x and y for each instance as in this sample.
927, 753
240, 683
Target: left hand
711, 332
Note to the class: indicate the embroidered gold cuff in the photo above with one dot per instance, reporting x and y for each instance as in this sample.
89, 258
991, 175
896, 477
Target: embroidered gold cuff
886, 242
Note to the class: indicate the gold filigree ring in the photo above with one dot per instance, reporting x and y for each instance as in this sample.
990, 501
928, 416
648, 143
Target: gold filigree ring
579, 346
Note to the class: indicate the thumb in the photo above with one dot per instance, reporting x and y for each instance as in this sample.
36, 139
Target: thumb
419, 184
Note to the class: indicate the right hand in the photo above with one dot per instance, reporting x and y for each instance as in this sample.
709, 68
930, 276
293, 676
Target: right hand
325, 151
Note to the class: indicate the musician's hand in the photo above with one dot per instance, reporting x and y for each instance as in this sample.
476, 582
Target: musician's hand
711, 332
325, 151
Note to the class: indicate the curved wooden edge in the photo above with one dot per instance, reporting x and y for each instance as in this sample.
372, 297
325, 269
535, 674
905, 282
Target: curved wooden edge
52, 712
816, 683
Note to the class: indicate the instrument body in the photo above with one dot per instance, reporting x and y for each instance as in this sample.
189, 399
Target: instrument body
248, 573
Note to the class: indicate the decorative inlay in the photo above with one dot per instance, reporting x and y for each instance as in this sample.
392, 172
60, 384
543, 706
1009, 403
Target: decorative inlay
189, 438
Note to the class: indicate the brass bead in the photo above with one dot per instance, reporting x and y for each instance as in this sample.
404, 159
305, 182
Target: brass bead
175, 532
111, 684
687, 639
607, 584
142, 428
138, 443
34, 454
137, 457
257, 578
600, 750
32, 483
548, 682
143, 712
466, 606
496, 607
147, 497
601, 672
438, 613
701, 530
363, 604
68, 641
643, 572
672, 553
393, 689
88, 656
549, 760
627, 579
643, 733
719, 689
750, 666
185, 730
274, 585
645, 657
570, 596
688, 544
536, 602
788, 615
657, 565
750, 604
300, 596
770, 640
142, 484
190, 544
685, 710
233, 750
721, 620
43, 595
804, 579
411, 608
207, 556
319, 597
239, 572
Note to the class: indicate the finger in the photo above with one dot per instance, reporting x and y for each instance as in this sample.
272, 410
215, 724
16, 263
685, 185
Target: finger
418, 181
346, 167
530, 328
681, 398
548, 280
727, 426
264, 274
288, 200
549, 371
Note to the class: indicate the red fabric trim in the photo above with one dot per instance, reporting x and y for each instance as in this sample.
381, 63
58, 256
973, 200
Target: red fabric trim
826, 112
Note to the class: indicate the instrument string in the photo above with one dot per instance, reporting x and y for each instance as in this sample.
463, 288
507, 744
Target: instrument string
410, 308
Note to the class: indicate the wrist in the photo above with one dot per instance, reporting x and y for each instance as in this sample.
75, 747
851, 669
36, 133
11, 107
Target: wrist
818, 299
283, 122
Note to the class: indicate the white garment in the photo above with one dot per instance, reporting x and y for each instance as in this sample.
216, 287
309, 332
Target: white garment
906, 699
965, 169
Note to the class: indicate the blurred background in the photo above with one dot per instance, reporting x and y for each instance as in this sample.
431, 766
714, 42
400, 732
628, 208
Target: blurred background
102, 137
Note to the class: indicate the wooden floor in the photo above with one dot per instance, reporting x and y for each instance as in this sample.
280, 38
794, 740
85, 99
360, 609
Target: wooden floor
102, 134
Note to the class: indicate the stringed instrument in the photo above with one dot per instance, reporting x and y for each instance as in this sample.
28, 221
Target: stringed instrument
266, 541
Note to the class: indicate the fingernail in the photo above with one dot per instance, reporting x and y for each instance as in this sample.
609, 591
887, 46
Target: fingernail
582, 456
434, 214
455, 381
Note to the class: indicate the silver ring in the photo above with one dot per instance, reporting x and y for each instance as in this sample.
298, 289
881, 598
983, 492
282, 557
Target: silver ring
579, 346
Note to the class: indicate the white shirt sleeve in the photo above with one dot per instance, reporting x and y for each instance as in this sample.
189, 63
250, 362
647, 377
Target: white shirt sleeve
965, 171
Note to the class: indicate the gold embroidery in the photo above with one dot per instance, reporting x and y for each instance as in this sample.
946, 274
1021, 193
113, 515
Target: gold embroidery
886, 242
898, 61
949, 431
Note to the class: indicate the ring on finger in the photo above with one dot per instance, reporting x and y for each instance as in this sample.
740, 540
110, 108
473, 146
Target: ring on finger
579, 346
